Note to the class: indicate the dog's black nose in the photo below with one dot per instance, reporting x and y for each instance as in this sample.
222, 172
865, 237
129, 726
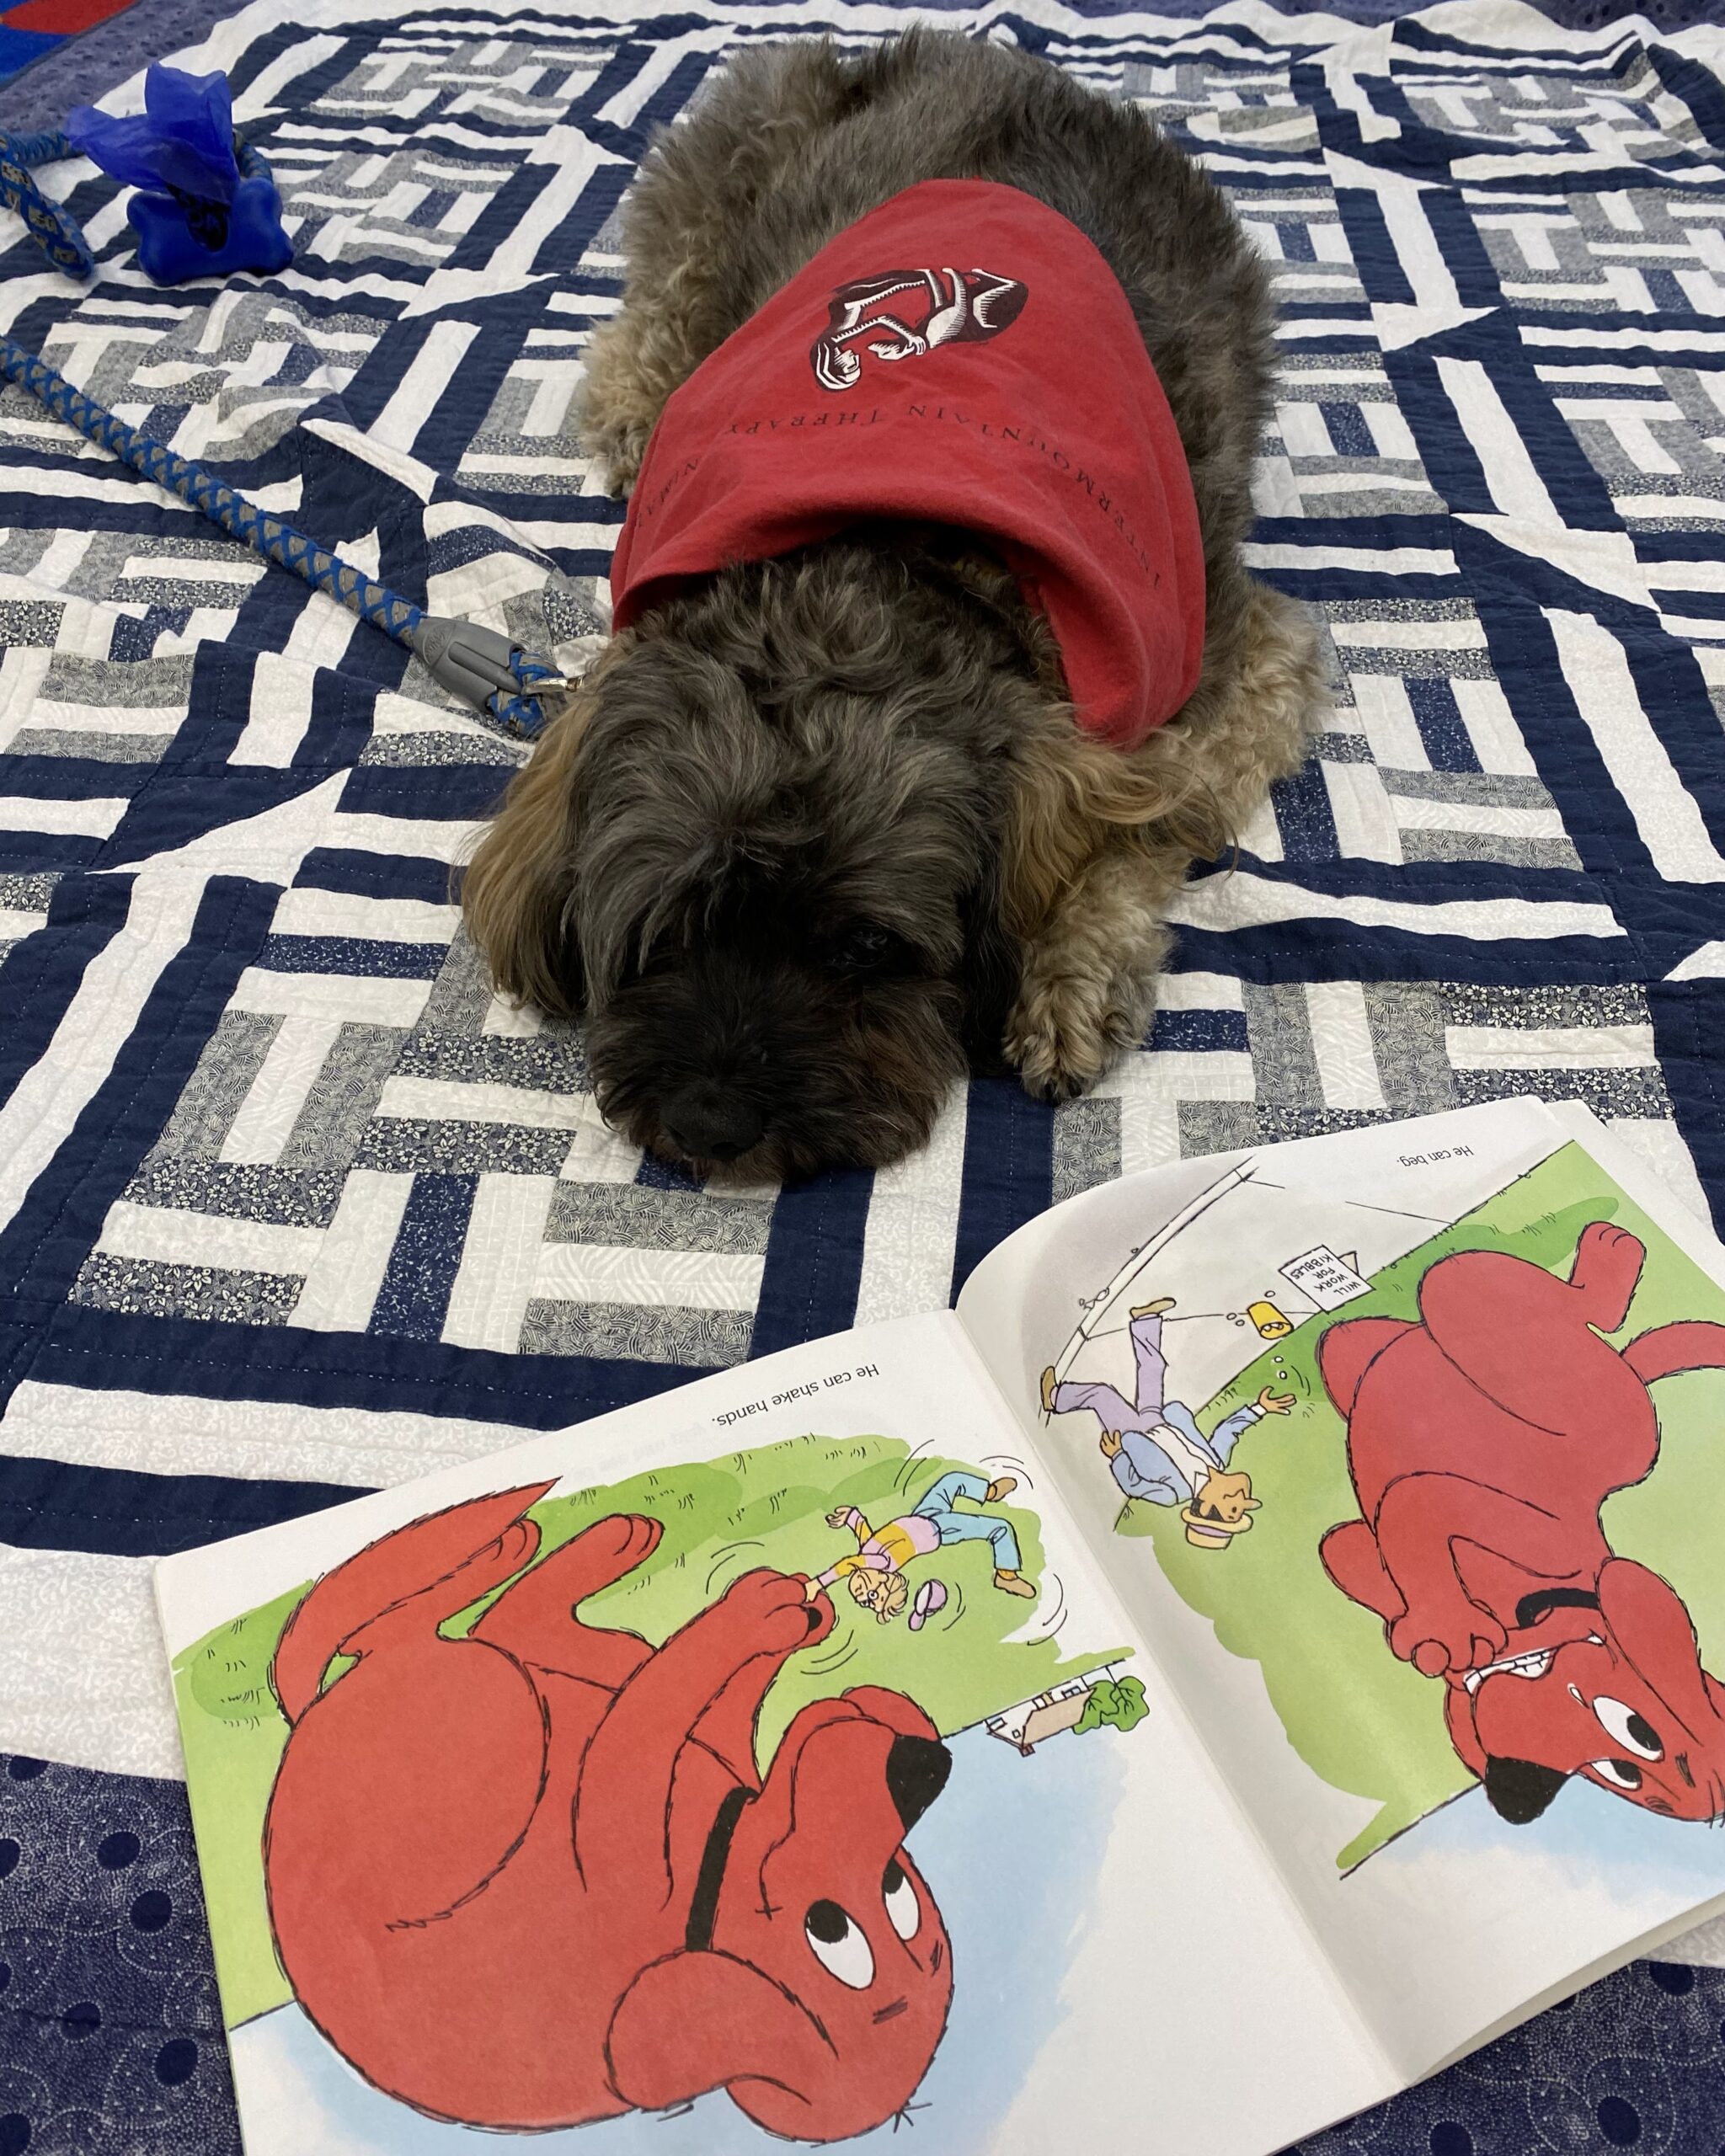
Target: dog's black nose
707, 1123
916, 1770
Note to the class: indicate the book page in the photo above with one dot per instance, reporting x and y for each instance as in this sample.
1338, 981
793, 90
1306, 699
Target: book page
1401, 1448
768, 1760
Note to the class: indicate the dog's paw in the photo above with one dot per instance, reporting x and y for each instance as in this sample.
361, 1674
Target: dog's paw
1065, 1032
1608, 1263
1602, 1244
770, 1613
1448, 1640
1087, 987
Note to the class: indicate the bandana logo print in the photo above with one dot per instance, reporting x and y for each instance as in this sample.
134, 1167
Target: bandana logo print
956, 307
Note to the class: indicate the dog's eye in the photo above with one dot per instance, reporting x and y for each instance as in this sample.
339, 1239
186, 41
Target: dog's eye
903, 1911
866, 947
840, 1945
1625, 1727
1622, 1773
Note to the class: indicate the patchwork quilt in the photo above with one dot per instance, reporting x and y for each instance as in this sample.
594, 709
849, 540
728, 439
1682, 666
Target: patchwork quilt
292, 1206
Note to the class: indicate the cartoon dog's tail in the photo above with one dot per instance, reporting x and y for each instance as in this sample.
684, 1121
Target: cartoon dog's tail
1692, 1344
437, 1565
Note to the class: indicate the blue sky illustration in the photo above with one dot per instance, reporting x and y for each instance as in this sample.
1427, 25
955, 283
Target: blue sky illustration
1639, 1855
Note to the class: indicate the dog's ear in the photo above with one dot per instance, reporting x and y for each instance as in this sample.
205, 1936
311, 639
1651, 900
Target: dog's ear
992, 960
1520, 1789
517, 892
698, 2021
917, 1768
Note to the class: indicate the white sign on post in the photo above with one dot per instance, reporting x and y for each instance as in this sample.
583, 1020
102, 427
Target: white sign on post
1330, 1281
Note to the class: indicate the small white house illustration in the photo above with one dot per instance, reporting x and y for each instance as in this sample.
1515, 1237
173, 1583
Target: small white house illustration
1031, 1721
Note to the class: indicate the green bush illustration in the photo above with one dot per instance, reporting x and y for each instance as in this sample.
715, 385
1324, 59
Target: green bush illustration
1117, 1705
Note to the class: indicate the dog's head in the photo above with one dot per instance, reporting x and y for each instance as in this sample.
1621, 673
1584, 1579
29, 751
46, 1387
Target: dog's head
1225, 1497
760, 850
818, 1987
781, 846
1616, 1695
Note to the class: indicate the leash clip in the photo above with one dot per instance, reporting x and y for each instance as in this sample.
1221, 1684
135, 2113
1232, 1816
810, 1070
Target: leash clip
487, 670
470, 662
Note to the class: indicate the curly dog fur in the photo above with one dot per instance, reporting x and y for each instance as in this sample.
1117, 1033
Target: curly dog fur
820, 834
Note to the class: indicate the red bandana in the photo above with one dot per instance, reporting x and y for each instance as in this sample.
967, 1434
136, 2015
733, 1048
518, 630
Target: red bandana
1016, 401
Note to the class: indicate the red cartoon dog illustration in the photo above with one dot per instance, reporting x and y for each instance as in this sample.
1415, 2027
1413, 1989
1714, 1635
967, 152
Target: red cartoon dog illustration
1482, 1443
531, 1878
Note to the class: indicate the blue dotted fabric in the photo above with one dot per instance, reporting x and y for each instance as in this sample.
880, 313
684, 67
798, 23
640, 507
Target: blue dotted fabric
111, 2039
1637, 2062
110, 2036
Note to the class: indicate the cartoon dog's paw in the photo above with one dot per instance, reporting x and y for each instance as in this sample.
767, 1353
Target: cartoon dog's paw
1439, 1641
1607, 1268
770, 1613
821, 1615
614, 1545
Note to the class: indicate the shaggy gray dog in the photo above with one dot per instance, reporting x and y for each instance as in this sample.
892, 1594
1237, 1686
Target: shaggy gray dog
821, 833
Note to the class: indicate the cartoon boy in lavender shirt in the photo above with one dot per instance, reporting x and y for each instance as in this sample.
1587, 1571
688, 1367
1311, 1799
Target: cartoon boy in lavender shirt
875, 1570
1153, 1445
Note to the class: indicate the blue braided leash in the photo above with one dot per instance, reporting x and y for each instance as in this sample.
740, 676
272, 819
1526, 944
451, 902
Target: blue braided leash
479, 665
47, 223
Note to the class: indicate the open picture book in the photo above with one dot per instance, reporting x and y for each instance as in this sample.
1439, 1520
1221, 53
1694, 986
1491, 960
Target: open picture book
1251, 1652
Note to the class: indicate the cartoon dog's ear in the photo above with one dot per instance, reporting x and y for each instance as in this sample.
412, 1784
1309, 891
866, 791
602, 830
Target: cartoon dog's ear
916, 1771
900, 1715
698, 2021
1519, 1789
